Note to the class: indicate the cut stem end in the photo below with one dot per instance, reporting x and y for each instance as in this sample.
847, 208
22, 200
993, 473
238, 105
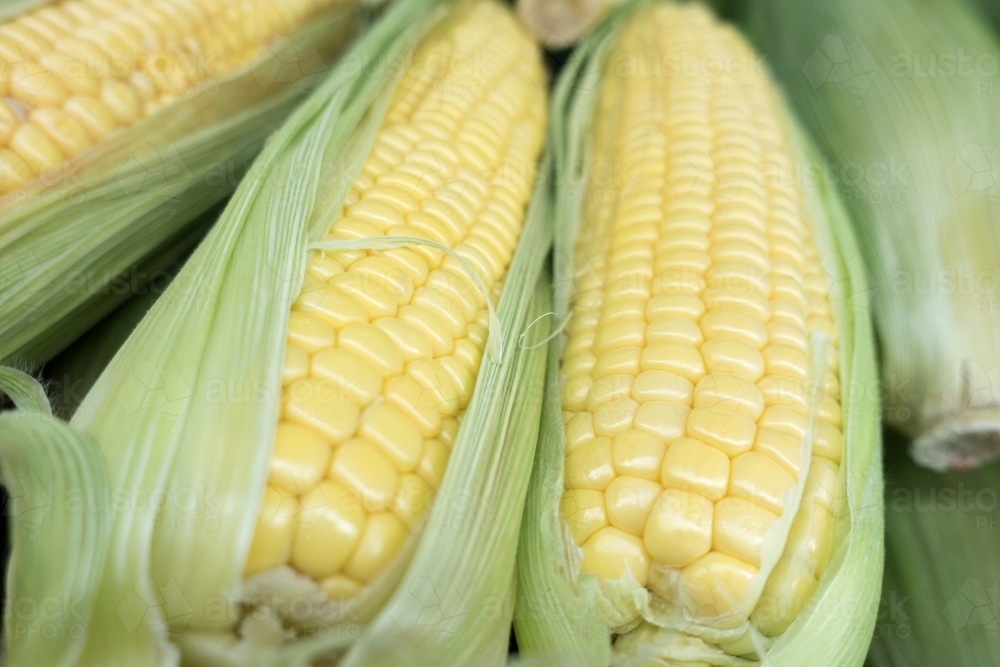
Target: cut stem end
959, 441
557, 24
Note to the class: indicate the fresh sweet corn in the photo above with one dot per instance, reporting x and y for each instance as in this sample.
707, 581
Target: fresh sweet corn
687, 357
120, 123
75, 71
384, 346
702, 446
357, 343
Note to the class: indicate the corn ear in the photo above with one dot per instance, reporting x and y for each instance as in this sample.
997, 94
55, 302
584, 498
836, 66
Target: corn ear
172, 412
68, 234
596, 606
909, 134
939, 595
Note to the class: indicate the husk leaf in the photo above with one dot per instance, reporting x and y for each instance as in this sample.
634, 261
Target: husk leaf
48, 468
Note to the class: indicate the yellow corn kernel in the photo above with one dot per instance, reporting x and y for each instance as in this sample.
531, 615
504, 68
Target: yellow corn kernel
628, 501
584, 511
276, 524
322, 406
14, 171
33, 145
92, 115
638, 454
383, 538
300, 458
63, 129
329, 527
611, 552
413, 499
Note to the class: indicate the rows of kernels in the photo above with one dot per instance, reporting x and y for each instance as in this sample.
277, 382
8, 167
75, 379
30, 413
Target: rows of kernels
384, 345
74, 71
687, 356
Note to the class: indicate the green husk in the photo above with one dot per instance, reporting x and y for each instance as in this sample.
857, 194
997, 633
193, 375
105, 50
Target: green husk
69, 375
939, 596
901, 98
127, 201
46, 466
14, 8
559, 616
188, 408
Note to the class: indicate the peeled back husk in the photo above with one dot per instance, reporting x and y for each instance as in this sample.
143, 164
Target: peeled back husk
187, 411
66, 236
900, 97
563, 615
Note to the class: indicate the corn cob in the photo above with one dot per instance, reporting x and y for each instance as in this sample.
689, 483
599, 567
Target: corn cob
349, 284
384, 346
122, 121
701, 372
688, 344
77, 70
908, 126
